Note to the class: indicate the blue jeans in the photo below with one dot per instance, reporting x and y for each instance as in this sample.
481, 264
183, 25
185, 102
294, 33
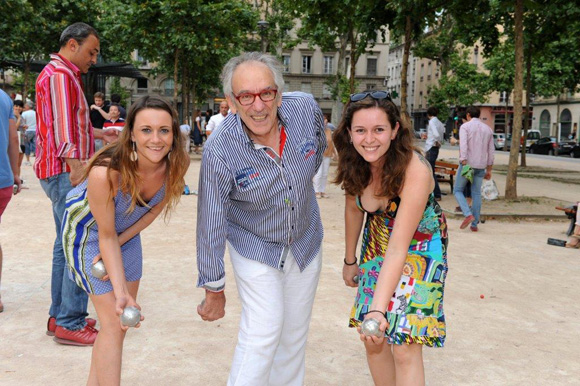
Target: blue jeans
29, 142
460, 183
69, 301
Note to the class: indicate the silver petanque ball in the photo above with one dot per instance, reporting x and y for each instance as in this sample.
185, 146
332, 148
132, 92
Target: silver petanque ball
355, 279
370, 327
131, 316
98, 269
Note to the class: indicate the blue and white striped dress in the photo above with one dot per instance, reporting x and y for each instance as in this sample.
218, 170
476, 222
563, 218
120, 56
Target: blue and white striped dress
80, 237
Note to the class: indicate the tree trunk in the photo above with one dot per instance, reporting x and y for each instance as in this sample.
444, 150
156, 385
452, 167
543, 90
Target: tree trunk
185, 94
175, 77
557, 133
512, 175
406, 51
340, 71
26, 80
527, 114
353, 59
507, 119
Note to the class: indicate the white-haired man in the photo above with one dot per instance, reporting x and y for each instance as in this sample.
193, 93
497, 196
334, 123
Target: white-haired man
256, 197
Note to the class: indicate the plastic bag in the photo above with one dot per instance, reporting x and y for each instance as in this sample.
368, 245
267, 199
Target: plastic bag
467, 172
489, 190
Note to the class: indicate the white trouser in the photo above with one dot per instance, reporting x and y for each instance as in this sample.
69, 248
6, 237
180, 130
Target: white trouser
321, 175
276, 310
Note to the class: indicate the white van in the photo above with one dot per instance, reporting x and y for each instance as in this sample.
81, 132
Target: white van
533, 136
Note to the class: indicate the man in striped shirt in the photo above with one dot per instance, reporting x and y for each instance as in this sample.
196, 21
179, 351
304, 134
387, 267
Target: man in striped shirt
65, 141
256, 197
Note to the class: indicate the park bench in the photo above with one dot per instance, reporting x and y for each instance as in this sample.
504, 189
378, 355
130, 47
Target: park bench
570, 212
445, 172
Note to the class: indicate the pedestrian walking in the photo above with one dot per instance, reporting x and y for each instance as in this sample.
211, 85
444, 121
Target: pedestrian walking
476, 151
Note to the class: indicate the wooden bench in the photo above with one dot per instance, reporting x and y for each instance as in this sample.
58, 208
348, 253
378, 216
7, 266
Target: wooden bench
570, 212
445, 172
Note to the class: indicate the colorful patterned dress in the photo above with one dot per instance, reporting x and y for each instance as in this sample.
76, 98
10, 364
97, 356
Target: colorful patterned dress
80, 237
415, 312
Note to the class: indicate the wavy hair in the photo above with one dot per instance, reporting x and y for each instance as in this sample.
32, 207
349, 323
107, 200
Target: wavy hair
116, 156
354, 173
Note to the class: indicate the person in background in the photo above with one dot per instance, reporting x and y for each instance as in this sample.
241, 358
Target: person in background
217, 119
116, 98
329, 154
476, 149
29, 118
435, 132
65, 140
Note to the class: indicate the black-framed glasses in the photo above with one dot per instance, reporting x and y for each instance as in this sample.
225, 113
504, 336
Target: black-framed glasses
377, 95
247, 98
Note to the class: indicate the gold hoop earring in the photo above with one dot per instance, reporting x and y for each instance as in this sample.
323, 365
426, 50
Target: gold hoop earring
133, 155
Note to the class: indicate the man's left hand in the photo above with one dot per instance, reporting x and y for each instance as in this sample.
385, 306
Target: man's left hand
110, 135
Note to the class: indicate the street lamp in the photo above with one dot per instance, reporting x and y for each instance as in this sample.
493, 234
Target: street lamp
262, 25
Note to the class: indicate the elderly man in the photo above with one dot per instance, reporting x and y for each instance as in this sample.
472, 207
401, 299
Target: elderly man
215, 120
256, 196
64, 142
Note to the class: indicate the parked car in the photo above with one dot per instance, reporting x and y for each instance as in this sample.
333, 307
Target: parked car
575, 153
498, 140
567, 147
533, 136
551, 146
545, 145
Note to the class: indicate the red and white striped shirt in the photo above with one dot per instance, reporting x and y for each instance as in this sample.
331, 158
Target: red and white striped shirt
64, 128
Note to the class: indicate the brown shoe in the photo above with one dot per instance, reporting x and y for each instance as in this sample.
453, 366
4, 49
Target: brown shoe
468, 220
51, 325
82, 337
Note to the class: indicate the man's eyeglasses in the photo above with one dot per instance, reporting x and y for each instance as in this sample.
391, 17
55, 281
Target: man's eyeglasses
377, 95
247, 98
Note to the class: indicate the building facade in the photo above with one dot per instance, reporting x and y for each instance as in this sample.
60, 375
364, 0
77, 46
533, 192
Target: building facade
558, 116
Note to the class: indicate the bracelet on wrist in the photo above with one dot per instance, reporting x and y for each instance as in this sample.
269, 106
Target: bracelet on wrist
380, 312
353, 263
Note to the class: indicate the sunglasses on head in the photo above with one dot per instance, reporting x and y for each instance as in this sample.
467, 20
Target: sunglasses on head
377, 95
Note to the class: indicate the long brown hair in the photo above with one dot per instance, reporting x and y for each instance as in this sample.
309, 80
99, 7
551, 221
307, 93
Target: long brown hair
354, 173
116, 156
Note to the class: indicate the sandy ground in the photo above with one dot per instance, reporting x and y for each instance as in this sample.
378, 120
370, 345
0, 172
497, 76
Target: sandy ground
523, 332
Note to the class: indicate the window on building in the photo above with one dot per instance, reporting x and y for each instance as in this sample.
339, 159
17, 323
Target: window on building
306, 64
139, 58
371, 86
168, 86
142, 85
306, 87
328, 64
545, 123
347, 65
476, 55
565, 124
429, 71
286, 62
371, 66
326, 93
422, 71
504, 97
499, 123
